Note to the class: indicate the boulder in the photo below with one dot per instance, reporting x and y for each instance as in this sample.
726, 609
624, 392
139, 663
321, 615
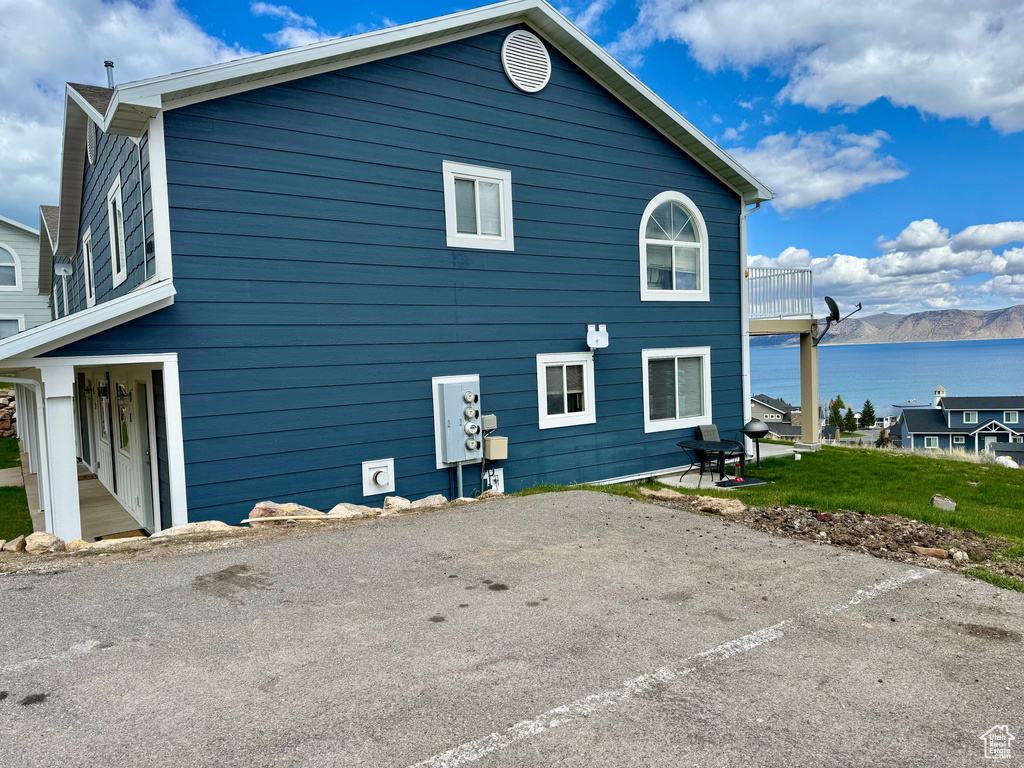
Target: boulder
490, 494
15, 545
113, 543
396, 502
465, 500
267, 509
719, 506
939, 554
437, 500
661, 494
206, 526
76, 544
959, 556
352, 511
943, 502
2, 542
298, 509
43, 543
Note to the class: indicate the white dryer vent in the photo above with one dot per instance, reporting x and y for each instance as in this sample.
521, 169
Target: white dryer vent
526, 61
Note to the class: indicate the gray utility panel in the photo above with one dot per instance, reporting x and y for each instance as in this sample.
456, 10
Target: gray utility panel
461, 438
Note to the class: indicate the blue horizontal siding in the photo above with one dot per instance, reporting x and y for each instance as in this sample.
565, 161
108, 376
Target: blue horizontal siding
317, 296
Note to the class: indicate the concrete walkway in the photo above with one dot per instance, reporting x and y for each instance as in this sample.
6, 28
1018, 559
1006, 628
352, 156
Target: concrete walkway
691, 478
11, 476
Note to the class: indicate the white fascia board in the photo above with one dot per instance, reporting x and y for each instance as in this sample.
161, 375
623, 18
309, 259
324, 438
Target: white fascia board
254, 72
771, 407
88, 322
18, 225
85, 106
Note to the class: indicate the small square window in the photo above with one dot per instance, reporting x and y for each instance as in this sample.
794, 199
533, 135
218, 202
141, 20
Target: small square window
970, 417
958, 439
931, 442
677, 388
477, 207
565, 389
9, 326
1017, 439
1010, 417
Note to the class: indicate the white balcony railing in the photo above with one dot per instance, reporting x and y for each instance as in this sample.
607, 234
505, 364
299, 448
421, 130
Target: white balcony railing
778, 293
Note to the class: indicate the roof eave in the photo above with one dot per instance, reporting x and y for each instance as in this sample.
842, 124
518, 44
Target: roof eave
18, 225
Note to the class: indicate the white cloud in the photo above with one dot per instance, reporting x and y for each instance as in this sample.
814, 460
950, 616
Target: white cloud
919, 269
284, 13
49, 43
587, 16
944, 58
989, 235
810, 168
733, 134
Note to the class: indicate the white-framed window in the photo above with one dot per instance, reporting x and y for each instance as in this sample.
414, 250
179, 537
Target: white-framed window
673, 250
677, 388
931, 442
1017, 439
88, 270
565, 389
10, 269
1010, 417
970, 417
115, 217
11, 324
958, 440
477, 207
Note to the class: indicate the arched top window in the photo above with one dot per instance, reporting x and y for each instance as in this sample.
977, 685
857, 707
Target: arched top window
673, 250
10, 269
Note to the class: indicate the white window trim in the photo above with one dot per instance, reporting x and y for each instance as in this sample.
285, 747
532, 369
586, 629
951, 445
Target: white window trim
1008, 414
17, 269
959, 440
456, 239
664, 425
704, 292
19, 318
114, 198
930, 447
589, 414
88, 268
973, 420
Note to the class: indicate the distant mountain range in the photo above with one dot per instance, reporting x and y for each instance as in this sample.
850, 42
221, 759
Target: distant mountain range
936, 325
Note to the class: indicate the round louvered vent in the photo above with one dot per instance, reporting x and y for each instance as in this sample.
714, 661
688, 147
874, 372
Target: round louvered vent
526, 61
90, 142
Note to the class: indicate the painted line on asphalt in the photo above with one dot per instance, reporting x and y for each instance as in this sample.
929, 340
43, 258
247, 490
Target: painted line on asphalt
607, 702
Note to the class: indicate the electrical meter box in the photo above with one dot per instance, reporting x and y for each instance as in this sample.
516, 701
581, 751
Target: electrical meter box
461, 427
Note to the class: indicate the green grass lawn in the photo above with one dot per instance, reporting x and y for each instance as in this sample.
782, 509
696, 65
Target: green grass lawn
10, 456
14, 516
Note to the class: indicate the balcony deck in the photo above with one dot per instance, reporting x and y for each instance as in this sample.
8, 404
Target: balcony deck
781, 301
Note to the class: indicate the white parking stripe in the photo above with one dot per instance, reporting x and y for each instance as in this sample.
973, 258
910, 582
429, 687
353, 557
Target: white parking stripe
608, 701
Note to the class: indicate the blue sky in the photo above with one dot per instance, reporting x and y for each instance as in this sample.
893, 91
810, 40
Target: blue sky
893, 133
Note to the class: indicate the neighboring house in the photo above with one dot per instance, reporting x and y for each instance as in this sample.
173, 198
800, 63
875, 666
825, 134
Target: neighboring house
22, 304
783, 420
279, 261
965, 423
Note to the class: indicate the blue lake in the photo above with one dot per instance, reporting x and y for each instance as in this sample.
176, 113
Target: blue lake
894, 373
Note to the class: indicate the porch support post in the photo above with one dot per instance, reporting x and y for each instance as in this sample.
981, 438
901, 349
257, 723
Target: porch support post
810, 421
64, 514
175, 443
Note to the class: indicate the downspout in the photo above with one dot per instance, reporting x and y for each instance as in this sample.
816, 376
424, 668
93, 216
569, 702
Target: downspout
44, 458
745, 318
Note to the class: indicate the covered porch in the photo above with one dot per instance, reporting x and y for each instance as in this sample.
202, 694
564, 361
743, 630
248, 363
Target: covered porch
781, 302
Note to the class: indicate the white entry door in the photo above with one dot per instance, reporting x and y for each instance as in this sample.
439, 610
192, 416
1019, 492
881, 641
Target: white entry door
990, 440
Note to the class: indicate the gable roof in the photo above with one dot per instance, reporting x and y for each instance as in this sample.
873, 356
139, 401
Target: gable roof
19, 226
776, 405
933, 421
1007, 403
98, 98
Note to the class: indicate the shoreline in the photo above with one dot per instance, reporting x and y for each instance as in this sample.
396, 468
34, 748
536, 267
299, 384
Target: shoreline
883, 343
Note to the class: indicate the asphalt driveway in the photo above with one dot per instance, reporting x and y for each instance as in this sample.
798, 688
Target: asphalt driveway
573, 629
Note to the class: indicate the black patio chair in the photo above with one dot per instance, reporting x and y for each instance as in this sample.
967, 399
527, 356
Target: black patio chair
706, 459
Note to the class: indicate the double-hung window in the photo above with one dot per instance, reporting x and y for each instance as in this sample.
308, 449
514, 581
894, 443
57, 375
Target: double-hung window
10, 325
673, 250
970, 417
677, 388
565, 389
115, 217
1010, 417
88, 270
477, 207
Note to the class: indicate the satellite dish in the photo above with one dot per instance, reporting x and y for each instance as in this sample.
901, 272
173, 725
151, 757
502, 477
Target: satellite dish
833, 309
833, 316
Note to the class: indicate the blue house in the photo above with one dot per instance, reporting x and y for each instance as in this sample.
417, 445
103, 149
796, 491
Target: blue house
963, 423
278, 265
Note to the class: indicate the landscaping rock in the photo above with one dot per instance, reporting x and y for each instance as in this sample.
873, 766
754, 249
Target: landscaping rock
396, 502
352, 511
298, 509
437, 500
959, 556
76, 544
43, 543
15, 545
661, 494
465, 500
206, 526
112, 543
267, 509
943, 502
939, 554
2, 542
719, 506
490, 494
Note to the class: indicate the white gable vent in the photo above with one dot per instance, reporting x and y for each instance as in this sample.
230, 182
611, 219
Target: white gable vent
90, 142
526, 61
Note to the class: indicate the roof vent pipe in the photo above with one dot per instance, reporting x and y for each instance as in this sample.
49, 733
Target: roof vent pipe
110, 73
